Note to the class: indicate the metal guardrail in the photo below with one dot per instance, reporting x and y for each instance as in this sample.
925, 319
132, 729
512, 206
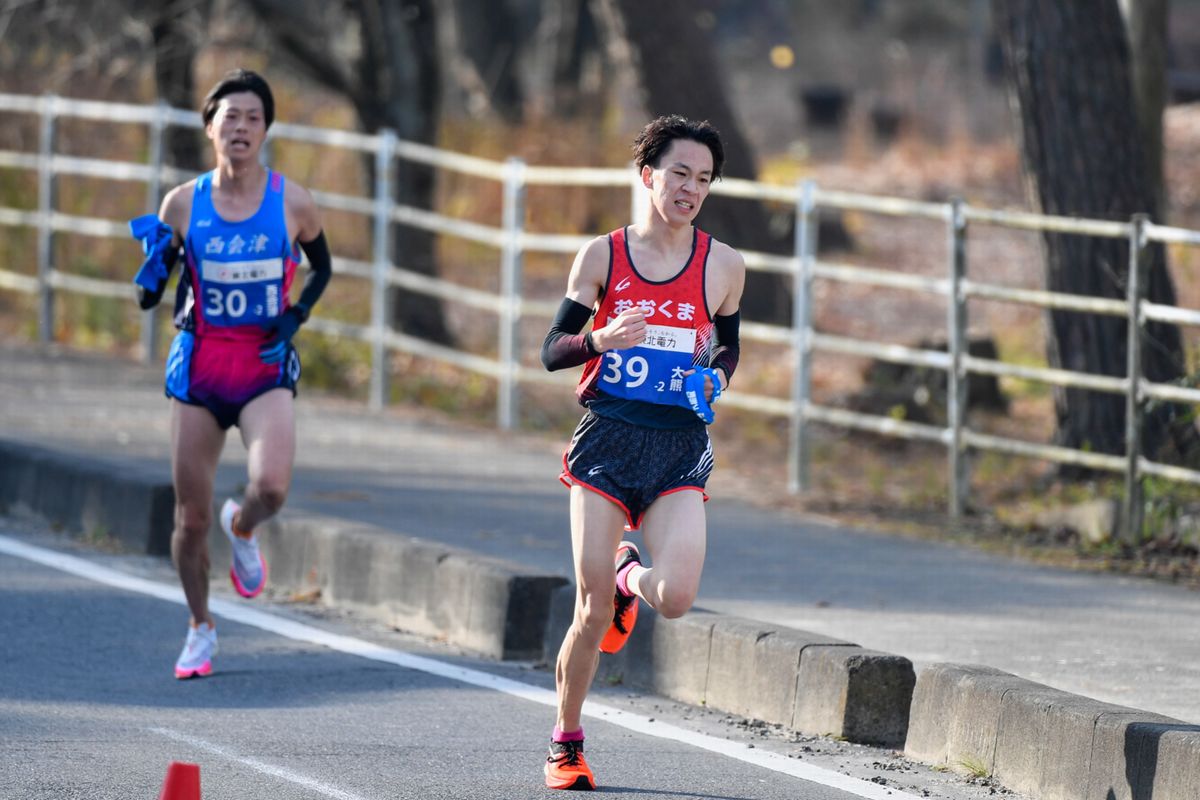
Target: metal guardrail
512, 241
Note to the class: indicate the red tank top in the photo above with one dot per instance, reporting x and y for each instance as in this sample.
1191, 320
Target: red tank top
678, 328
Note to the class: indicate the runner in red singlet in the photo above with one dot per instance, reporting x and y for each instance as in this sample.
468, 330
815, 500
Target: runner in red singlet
662, 347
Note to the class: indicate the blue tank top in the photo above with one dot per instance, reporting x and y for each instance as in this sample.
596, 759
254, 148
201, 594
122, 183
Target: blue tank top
240, 272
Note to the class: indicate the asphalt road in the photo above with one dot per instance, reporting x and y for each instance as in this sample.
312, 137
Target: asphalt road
305, 704
1122, 640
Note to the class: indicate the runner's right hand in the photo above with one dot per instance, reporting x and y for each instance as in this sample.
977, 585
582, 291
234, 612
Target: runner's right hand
626, 330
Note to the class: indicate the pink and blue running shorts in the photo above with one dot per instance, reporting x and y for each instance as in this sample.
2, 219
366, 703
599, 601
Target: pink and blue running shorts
223, 375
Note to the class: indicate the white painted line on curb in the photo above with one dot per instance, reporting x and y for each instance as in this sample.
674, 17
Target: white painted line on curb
298, 631
311, 784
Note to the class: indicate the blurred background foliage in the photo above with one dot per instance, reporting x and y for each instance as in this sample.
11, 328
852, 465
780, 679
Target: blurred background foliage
914, 98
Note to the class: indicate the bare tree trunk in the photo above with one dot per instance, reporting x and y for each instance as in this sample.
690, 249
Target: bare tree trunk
177, 36
393, 80
676, 67
402, 89
1146, 25
567, 38
1068, 65
490, 38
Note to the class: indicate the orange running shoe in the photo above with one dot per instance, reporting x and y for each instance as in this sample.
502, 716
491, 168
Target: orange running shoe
625, 607
566, 767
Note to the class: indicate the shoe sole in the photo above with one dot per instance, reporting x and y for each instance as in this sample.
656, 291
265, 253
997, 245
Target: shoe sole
580, 784
187, 674
240, 587
633, 548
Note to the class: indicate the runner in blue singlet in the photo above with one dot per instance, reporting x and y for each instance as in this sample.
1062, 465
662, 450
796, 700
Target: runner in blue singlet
240, 229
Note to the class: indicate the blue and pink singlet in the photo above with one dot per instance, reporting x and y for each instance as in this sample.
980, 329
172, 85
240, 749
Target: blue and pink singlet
236, 280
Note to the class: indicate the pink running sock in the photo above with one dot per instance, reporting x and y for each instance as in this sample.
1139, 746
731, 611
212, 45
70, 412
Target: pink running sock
623, 578
563, 736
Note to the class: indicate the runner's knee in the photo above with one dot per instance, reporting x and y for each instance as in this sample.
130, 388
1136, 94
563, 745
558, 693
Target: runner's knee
593, 615
192, 522
271, 494
675, 601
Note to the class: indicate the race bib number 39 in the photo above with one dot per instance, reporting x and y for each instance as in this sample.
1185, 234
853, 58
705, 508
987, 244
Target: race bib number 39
241, 292
652, 371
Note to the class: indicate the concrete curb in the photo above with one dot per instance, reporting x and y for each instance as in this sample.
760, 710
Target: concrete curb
808, 682
493, 607
812, 683
1048, 743
89, 496
496, 608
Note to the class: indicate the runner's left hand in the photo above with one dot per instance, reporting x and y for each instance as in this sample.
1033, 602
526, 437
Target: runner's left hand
283, 328
712, 383
702, 388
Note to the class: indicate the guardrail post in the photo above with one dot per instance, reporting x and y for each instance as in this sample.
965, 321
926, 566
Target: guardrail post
956, 377
513, 222
1132, 516
47, 200
153, 198
381, 247
805, 245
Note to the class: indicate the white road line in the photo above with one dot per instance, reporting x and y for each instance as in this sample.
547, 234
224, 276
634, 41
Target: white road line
311, 784
298, 631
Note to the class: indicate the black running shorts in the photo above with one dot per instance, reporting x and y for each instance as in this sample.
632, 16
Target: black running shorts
633, 465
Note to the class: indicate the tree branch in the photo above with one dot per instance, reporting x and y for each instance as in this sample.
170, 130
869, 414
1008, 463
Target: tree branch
299, 35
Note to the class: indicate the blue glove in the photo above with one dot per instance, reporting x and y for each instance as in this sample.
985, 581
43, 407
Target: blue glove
155, 236
693, 390
283, 328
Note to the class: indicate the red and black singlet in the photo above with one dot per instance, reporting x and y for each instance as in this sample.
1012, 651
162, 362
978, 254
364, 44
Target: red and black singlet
644, 384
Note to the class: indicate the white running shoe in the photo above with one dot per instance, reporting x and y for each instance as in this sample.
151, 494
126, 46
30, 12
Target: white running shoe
196, 659
249, 569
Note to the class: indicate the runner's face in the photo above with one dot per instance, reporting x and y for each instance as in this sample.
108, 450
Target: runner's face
681, 181
239, 127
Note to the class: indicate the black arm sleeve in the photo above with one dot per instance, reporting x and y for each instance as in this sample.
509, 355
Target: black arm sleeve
727, 350
320, 264
564, 346
149, 299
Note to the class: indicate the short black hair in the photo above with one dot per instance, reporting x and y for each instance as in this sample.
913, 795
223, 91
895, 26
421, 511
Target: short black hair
656, 137
234, 81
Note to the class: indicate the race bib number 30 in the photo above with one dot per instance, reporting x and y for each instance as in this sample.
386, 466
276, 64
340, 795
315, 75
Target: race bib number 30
652, 371
241, 292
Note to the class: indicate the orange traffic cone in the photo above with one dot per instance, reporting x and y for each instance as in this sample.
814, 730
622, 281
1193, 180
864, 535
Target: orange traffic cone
182, 782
